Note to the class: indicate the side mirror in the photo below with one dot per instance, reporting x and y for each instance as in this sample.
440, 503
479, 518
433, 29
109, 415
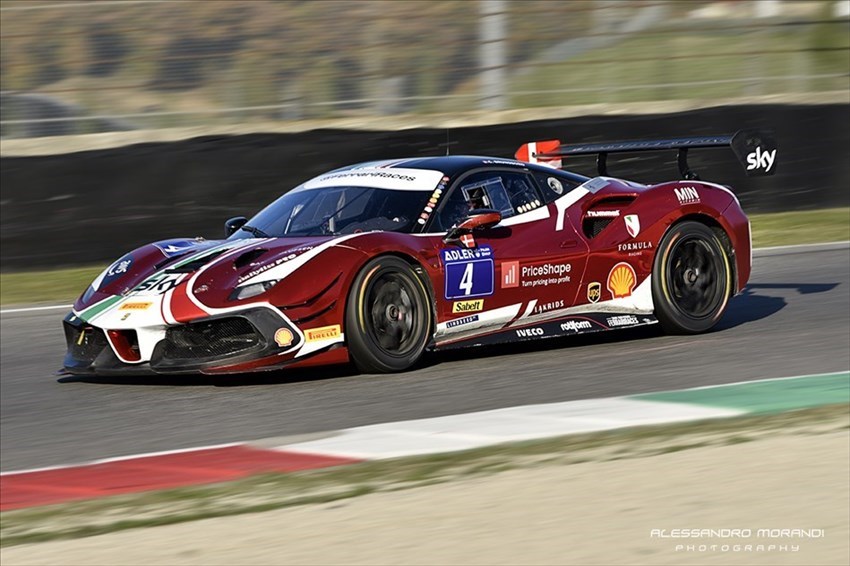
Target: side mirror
234, 224
478, 219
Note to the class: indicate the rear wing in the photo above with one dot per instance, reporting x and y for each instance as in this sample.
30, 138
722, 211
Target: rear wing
755, 150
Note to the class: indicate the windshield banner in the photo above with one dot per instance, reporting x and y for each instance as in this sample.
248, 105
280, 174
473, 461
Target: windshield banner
388, 178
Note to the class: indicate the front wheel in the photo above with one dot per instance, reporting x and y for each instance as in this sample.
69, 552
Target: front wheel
691, 279
388, 317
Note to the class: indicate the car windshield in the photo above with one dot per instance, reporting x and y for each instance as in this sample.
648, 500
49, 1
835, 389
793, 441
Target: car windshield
337, 210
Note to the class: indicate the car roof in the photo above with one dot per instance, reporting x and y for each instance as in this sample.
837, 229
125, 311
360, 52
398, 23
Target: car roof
452, 165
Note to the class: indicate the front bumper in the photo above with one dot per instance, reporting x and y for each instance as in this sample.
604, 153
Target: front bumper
203, 346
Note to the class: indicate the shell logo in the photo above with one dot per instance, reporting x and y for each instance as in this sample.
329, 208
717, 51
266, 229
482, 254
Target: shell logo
621, 280
283, 337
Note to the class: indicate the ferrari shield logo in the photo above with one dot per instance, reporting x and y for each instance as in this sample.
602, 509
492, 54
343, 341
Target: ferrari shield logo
632, 224
594, 291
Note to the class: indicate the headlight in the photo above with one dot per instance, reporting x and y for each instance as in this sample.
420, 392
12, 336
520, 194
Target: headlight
87, 295
252, 290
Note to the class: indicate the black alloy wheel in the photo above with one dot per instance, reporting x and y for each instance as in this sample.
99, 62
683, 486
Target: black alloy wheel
691, 279
388, 316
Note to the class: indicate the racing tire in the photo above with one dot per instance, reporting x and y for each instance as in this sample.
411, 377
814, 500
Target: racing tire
691, 279
388, 317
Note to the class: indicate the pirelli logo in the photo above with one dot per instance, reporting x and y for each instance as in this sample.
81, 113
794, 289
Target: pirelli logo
135, 306
323, 333
467, 306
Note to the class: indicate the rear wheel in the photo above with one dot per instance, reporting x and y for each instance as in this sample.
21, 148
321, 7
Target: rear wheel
691, 279
388, 316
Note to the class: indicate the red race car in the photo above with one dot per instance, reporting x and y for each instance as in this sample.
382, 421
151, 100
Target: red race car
378, 262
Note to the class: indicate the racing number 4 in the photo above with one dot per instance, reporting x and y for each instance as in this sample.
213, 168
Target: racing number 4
466, 281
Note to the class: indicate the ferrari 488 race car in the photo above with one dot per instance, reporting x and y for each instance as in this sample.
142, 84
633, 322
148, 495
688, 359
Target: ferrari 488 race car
379, 262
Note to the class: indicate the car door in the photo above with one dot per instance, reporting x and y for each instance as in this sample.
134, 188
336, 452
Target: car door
522, 271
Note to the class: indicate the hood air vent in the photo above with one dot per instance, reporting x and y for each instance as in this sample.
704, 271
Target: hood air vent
248, 257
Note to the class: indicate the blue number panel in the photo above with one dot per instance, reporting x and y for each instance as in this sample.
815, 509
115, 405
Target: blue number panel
469, 273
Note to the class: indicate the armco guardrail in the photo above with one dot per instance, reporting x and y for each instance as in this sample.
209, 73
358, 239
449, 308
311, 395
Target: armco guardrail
92, 206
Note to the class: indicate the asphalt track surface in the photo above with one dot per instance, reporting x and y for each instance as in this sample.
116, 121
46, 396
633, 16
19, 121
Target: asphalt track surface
793, 319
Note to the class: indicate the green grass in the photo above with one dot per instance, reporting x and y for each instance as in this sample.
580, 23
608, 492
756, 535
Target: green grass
782, 228
275, 491
33, 287
724, 62
812, 226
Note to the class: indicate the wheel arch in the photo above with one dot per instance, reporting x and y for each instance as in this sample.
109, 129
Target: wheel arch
418, 269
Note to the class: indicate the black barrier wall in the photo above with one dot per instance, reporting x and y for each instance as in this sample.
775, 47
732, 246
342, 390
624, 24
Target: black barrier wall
93, 206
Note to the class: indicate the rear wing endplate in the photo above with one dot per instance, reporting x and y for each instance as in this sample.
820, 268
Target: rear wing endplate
755, 150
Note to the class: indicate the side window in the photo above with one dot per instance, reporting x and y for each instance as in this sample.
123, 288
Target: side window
510, 193
522, 193
553, 186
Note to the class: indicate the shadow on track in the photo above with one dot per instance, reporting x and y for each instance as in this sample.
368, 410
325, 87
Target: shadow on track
750, 306
233, 380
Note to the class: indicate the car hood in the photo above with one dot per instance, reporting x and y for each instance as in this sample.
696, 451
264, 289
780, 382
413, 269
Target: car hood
210, 269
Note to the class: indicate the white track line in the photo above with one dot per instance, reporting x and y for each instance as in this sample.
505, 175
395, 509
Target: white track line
32, 309
123, 458
824, 245
746, 382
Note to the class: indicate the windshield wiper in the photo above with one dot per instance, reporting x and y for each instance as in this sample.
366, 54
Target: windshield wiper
327, 219
255, 231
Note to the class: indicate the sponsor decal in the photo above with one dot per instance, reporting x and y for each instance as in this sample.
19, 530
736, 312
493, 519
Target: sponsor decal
283, 337
281, 260
687, 195
603, 213
502, 162
594, 291
157, 285
126, 316
172, 248
545, 274
323, 333
761, 159
634, 247
555, 185
623, 320
529, 332
546, 307
369, 174
116, 271
534, 275
467, 306
632, 224
510, 274
575, 325
461, 321
135, 306
432, 202
119, 267
621, 280
546, 269
469, 272
529, 206
381, 178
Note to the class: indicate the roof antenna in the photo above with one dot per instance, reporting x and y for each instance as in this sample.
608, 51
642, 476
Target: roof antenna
447, 142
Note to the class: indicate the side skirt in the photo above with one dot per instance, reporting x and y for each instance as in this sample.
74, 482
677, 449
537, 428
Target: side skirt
567, 326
